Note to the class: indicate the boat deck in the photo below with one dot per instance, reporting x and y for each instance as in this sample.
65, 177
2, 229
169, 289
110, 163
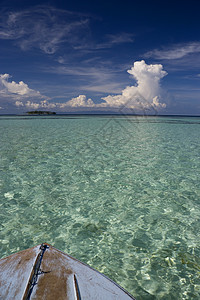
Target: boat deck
43, 272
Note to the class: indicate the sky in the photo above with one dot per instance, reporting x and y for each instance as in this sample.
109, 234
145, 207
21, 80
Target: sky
100, 56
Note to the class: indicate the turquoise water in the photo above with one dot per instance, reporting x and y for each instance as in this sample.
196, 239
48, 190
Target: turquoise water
121, 194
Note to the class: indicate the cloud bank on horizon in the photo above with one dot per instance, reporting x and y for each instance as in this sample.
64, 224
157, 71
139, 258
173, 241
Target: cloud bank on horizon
146, 94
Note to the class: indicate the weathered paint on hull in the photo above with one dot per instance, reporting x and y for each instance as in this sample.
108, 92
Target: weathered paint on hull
43, 272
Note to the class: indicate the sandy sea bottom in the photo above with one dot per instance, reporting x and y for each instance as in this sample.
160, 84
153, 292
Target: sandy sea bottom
121, 194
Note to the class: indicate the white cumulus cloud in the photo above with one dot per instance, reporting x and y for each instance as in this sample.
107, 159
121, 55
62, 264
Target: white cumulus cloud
147, 91
32, 105
20, 88
19, 103
35, 105
80, 101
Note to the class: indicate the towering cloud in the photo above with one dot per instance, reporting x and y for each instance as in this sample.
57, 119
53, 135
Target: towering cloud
145, 94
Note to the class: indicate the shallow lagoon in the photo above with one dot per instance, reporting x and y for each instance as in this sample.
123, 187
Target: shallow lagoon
119, 193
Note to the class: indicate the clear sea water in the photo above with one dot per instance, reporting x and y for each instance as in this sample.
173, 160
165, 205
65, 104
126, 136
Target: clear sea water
121, 194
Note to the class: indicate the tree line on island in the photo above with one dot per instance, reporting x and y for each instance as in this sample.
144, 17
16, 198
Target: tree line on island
40, 112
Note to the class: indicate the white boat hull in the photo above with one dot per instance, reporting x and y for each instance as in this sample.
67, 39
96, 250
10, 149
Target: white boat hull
43, 272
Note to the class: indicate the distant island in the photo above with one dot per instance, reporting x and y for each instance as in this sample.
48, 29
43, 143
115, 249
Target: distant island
41, 112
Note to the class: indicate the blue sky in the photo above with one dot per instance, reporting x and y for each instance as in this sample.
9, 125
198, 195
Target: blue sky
72, 56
